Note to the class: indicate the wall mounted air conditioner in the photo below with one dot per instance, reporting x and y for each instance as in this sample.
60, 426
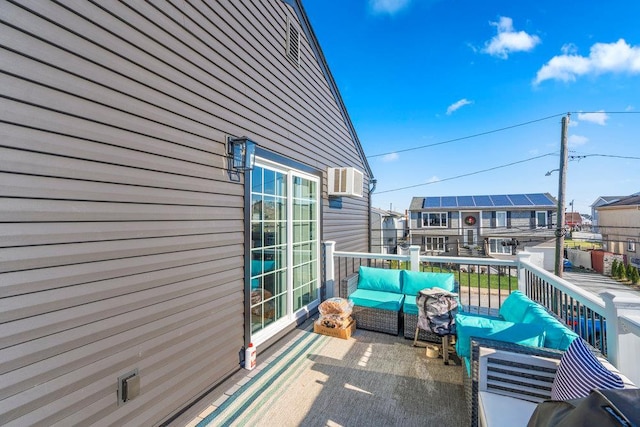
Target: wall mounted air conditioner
345, 182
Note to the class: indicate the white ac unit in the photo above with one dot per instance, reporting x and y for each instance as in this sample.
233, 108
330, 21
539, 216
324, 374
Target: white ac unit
345, 182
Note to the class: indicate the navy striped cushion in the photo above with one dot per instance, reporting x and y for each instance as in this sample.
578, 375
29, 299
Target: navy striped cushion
580, 372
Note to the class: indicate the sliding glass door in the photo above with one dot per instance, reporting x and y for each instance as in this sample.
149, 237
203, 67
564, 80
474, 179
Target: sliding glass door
285, 247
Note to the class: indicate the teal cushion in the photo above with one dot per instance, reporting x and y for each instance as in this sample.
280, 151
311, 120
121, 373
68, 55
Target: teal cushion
467, 364
414, 281
259, 266
557, 336
515, 306
379, 279
410, 306
377, 299
500, 330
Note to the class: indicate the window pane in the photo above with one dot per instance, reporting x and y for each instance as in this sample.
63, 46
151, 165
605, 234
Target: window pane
269, 208
269, 182
256, 235
256, 180
280, 184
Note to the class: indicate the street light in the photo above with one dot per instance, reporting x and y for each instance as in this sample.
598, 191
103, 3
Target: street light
551, 171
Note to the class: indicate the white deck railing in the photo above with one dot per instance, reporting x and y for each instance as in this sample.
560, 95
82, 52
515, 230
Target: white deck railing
609, 322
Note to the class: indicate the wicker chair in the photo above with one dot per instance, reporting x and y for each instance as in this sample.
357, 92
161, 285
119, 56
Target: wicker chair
387, 321
527, 377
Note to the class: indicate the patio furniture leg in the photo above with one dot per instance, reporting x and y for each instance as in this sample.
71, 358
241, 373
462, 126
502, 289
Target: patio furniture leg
445, 349
415, 339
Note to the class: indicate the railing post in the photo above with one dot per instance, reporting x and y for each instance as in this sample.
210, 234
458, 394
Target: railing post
414, 253
623, 346
522, 257
329, 269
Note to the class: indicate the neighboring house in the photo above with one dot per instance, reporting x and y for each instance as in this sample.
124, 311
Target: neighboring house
388, 230
476, 225
132, 252
619, 224
601, 200
573, 220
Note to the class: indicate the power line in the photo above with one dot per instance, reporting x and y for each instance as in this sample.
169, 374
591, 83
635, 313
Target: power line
584, 156
466, 137
468, 174
462, 138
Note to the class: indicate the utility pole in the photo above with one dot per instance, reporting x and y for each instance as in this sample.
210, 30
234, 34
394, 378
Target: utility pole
562, 182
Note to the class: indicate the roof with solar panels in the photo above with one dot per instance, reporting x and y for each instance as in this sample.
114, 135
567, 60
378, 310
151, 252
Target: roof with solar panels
485, 202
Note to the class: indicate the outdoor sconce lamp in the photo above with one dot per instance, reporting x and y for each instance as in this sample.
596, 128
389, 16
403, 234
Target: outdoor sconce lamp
242, 152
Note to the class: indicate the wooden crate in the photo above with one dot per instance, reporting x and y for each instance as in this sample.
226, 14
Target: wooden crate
344, 333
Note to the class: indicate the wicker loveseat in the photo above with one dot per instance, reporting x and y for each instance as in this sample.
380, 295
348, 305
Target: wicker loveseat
534, 341
509, 380
383, 297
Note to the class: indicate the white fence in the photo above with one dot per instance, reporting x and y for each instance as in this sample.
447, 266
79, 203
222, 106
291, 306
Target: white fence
610, 321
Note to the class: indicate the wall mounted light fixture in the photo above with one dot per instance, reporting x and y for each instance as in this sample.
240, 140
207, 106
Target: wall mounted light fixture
242, 151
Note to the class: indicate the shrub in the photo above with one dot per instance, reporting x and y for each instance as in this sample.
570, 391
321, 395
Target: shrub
635, 276
622, 271
628, 271
614, 268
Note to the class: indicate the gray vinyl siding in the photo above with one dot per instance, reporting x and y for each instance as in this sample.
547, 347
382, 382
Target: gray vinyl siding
121, 230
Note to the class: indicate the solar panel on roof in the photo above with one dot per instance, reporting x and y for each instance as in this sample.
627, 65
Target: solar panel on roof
466, 201
483, 201
500, 200
449, 202
431, 202
540, 199
520, 200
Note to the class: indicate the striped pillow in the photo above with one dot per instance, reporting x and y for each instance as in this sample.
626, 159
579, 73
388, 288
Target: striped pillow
580, 372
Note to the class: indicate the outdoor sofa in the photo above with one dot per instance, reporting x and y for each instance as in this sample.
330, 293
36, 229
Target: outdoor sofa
520, 321
383, 298
509, 380
510, 361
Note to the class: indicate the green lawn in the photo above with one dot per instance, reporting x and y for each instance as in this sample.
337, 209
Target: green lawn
581, 244
471, 279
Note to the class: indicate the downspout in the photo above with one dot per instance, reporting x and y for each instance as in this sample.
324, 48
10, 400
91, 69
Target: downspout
372, 188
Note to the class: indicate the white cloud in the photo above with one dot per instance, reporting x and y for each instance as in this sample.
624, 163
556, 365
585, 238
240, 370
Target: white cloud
388, 6
598, 117
457, 105
390, 157
618, 57
508, 40
576, 140
433, 179
629, 108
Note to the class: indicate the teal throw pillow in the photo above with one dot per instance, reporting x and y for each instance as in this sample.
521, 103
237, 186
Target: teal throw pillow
414, 281
557, 336
379, 279
515, 306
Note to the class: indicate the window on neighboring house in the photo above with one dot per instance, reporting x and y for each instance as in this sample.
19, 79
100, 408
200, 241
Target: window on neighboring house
501, 219
631, 245
541, 219
496, 247
434, 219
438, 244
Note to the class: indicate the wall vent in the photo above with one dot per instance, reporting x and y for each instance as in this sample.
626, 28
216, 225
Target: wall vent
345, 182
293, 42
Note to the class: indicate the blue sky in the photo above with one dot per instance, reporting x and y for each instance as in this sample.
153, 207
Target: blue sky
415, 73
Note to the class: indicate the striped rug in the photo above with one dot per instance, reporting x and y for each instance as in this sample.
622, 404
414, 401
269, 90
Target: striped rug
371, 379
244, 407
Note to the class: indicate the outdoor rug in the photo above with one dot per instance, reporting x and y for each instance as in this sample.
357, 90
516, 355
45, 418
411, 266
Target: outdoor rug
371, 379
